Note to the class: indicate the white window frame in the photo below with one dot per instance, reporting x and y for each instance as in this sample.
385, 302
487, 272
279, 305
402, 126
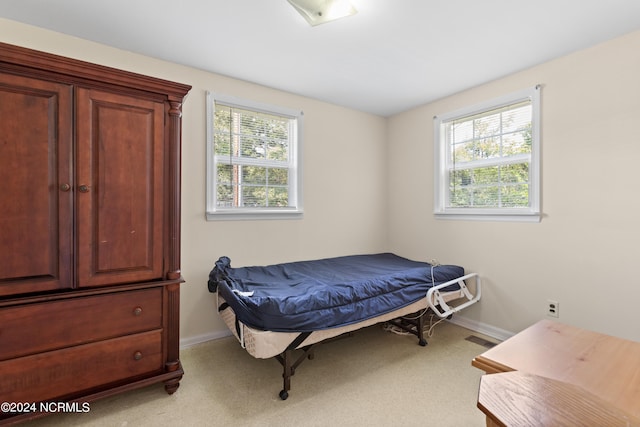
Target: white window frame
443, 162
295, 210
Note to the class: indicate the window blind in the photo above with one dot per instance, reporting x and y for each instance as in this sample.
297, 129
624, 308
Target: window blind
488, 159
252, 156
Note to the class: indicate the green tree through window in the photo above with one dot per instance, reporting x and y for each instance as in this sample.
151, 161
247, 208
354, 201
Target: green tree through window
487, 158
254, 159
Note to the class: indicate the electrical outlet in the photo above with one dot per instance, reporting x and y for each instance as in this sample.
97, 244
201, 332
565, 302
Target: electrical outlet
553, 308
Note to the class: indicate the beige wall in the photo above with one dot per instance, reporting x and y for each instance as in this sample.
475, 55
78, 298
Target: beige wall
584, 252
343, 165
368, 186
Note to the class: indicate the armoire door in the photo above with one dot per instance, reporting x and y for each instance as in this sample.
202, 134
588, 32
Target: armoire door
36, 232
120, 176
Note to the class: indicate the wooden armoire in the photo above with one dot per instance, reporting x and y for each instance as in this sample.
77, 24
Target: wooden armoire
89, 230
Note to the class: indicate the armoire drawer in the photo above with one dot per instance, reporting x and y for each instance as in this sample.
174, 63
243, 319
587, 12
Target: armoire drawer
29, 329
67, 372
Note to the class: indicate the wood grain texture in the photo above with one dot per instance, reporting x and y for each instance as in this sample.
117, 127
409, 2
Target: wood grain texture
520, 399
605, 366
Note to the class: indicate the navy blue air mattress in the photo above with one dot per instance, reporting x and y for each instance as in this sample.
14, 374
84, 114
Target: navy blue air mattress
311, 295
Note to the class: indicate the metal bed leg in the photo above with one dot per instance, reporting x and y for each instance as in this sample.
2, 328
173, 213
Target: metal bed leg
289, 369
414, 325
286, 374
420, 331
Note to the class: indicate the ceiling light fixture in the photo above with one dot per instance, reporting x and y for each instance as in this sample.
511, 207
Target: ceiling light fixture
318, 12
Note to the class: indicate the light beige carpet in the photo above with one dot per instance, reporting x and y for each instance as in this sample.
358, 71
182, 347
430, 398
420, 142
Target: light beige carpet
374, 378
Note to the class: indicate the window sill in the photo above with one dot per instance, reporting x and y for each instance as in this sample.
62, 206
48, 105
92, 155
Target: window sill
244, 215
502, 217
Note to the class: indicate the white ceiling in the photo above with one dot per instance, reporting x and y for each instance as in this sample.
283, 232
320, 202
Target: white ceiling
391, 56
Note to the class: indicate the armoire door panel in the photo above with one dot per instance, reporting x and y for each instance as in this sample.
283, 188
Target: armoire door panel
35, 165
120, 177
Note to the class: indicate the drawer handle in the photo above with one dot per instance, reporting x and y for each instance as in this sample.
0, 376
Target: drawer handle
137, 311
137, 355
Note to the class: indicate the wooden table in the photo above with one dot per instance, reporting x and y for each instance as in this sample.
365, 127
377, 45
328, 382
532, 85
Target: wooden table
604, 366
517, 399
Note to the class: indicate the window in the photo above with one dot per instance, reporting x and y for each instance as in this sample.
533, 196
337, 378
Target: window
487, 160
253, 160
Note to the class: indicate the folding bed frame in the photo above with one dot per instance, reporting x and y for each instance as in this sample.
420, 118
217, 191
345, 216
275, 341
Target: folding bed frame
274, 310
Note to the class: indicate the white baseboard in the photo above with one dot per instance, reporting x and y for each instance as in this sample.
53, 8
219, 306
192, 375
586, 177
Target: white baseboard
191, 341
483, 328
